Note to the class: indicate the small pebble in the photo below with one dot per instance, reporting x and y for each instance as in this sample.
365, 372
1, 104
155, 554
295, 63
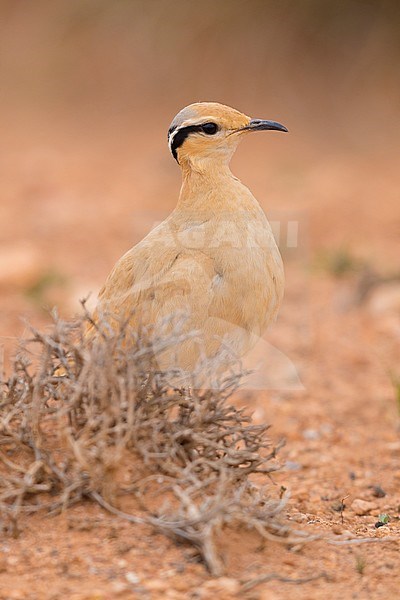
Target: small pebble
292, 466
378, 492
131, 577
362, 507
338, 506
311, 434
337, 530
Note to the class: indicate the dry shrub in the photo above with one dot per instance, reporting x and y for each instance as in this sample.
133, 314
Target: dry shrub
72, 413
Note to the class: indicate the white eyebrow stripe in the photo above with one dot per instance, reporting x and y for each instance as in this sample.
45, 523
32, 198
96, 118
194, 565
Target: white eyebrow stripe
171, 138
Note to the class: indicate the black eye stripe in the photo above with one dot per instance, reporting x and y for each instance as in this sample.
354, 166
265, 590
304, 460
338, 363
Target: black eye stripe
180, 136
182, 133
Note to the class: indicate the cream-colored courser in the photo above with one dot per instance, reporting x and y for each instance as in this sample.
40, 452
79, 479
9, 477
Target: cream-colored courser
214, 259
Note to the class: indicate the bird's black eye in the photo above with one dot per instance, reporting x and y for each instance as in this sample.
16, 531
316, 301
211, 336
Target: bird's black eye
209, 128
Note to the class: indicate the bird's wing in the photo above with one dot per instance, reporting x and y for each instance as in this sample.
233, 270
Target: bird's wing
159, 278
136, 274
149, 271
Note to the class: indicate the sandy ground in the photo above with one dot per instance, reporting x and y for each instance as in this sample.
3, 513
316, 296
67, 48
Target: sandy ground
73, 202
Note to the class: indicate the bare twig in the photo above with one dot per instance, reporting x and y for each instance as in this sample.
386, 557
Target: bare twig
359, 541
252, 583
83, 406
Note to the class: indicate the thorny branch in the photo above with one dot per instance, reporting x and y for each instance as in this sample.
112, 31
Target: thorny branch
73, 414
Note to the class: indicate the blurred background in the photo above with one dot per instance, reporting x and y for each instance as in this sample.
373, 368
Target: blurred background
89, 87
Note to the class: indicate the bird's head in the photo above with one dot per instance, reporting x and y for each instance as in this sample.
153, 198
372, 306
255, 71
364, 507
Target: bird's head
208, 130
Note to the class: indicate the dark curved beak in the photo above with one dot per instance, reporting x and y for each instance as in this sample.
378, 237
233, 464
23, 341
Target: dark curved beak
261, 125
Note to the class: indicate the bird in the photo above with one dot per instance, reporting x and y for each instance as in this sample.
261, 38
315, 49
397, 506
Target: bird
213, 260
